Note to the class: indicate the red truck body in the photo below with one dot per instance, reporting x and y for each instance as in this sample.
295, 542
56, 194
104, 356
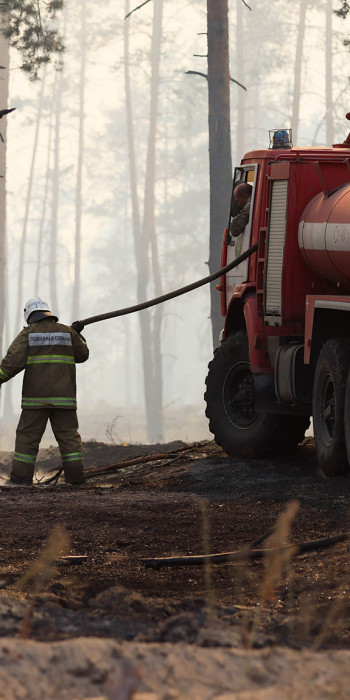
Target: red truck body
285, 308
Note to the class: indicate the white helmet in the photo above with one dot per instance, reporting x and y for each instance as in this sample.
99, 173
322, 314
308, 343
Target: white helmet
37, 304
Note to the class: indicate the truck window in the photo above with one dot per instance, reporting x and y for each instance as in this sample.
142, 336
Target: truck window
241, 175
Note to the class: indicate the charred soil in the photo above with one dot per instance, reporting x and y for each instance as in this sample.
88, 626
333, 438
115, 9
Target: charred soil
200, 501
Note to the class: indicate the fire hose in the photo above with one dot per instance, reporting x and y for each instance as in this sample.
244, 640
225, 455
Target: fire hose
171, 295
247, 553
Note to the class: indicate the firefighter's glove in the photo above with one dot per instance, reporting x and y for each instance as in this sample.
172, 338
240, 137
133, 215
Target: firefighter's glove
77, 326
229, 239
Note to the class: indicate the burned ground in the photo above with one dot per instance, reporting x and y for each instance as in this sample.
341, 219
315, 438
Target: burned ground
198, 502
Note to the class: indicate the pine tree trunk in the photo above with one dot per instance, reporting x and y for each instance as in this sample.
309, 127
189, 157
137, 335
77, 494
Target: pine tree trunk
220, 163
329, 75
297, 71
22, 247
55, 196
6, 397
141, 247
145, 243
4, 93
241, 97
154, 408
56, 183
78, 190
44, 206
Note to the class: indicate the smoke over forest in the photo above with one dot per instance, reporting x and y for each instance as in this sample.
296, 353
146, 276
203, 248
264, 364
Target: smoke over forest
107, 183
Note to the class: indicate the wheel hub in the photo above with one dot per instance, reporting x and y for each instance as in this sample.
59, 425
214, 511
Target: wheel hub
238, 396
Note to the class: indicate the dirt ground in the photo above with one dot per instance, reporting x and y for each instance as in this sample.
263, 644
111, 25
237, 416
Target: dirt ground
83, 616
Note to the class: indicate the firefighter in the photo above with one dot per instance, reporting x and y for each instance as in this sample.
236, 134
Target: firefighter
242, 196
47, 352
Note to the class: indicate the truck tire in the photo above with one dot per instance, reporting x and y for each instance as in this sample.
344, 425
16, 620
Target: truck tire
230, 406
328, 403
347, 418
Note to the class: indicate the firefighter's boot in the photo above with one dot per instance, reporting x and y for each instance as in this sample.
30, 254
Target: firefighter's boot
20, 480
73, 468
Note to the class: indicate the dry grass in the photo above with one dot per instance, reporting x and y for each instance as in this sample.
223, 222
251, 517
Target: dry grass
304, 623
278, 558
41, 571
208, 577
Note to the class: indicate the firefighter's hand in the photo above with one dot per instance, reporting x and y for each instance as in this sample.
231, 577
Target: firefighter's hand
77, 326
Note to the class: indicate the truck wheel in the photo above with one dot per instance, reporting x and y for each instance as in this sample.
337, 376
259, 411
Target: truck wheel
328, 406
230, 405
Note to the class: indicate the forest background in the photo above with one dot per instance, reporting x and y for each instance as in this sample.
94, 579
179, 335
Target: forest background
75, 197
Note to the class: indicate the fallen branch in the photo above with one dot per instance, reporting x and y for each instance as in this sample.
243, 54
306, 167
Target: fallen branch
179, 452
246, 553
98, 471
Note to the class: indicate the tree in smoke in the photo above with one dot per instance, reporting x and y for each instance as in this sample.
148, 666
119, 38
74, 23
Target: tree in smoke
4, 90
80, 160
220, 161
343, 10
145, 239
220, 164
28, 198
302, 52
240, 46
329, 73
297, 69
220, 185
181, 219
28, 28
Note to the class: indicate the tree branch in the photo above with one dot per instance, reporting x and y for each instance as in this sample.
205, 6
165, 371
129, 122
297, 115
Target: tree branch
343, 10
136, 8
196, 72
240, 84
246, 4
3, 112
204, 75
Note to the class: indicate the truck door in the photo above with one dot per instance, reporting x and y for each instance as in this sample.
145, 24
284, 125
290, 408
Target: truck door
239, 274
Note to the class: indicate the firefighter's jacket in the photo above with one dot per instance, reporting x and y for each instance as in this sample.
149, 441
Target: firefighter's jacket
47, 351
239, 222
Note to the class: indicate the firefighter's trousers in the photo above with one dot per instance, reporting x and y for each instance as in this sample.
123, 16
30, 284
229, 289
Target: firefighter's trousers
30, 429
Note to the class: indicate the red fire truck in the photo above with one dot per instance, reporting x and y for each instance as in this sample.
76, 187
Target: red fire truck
285, 347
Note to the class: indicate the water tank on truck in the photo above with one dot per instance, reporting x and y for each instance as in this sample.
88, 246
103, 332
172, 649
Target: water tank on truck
324, 236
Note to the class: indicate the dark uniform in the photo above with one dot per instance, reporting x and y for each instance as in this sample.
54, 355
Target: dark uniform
47, 351
239, 222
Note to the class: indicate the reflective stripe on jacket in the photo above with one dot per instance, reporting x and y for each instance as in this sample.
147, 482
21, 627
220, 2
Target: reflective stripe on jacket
47, 351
